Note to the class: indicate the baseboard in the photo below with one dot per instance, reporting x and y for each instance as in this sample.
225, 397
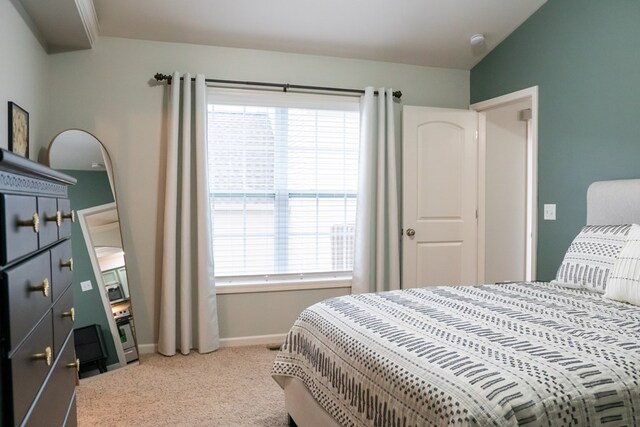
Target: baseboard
147, 348
228, 342
252, 340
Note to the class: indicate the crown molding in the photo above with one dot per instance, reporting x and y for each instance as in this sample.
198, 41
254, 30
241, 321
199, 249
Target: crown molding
89, 19
61, 25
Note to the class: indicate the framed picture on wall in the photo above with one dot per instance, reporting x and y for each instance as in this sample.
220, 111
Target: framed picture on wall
18, 130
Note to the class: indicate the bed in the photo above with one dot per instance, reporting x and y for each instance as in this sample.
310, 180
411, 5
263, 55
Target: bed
487, 355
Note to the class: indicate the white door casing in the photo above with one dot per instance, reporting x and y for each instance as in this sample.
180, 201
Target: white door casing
531, 96
440, 194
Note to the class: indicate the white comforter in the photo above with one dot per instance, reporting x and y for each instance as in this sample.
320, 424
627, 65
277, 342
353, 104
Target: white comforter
530, 354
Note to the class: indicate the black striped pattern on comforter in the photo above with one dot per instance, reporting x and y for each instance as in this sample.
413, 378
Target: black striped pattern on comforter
532, 354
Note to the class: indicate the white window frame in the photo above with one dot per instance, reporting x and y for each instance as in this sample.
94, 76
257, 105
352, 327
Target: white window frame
293, 281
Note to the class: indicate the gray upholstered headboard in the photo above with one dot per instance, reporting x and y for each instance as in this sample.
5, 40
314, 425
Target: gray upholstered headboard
614, 202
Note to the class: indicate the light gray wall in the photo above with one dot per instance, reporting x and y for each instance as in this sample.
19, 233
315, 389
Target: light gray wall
23, 75
266, 313
107, 91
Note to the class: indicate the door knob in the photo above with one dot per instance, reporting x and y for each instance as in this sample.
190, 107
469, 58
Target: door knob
411, 232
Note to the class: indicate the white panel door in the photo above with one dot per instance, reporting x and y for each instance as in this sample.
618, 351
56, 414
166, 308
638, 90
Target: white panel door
440, 188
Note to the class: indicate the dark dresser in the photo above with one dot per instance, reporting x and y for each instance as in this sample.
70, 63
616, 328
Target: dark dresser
38, 366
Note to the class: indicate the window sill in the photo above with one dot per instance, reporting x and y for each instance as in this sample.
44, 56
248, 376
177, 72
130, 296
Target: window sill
282, 285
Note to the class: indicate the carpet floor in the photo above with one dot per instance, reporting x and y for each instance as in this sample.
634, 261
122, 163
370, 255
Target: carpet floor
229, 387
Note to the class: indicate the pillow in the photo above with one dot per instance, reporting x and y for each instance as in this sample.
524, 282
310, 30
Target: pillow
591, 256
624, 280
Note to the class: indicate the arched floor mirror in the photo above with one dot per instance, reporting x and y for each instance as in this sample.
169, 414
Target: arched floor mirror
101, 285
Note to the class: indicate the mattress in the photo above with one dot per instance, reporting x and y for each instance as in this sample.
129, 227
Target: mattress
532, 354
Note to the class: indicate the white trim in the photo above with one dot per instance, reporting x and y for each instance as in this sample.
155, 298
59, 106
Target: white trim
89, 19
482, 189
281, 286
98, 275
500, 101
252, 340
228, 342
147, 348
489, 104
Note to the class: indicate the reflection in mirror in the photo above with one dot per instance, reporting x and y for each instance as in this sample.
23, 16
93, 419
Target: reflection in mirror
101, 286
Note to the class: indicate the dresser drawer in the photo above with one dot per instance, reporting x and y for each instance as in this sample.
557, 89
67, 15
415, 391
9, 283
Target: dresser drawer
63, 317
29, 195
53, 404
72, 414
30, 366
48, 213
61, 268
19, 234
27, 290
68, 216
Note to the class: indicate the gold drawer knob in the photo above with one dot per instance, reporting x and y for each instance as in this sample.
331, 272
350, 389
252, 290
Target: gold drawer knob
75, 365
71, 313
47, 356
43, 287
68, 263
71, 215
33, 222
57, 218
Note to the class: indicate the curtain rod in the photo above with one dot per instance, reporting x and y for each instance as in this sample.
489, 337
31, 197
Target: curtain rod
284, 86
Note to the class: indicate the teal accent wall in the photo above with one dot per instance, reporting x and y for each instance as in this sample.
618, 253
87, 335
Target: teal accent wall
92, 189
584, 56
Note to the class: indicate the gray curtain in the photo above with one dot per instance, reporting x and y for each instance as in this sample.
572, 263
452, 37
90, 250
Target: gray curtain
377, 242
188, 311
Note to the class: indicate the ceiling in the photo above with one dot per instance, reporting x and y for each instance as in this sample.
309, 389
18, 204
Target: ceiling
421, 32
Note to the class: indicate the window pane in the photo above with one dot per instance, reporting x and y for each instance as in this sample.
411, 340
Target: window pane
245, 235
241, 149
321, 234
283, 185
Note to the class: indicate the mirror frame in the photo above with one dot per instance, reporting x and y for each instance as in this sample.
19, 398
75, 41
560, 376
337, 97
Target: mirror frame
92, 254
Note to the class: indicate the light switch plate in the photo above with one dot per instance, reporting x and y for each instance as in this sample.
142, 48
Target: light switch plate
86, 286
550, 212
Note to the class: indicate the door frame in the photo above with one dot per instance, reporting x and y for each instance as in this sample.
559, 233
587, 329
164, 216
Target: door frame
482, 107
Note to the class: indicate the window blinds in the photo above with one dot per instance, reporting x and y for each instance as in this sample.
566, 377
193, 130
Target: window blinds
283, 174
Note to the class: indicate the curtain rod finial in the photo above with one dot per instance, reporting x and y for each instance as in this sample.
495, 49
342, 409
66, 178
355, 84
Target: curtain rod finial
161, 77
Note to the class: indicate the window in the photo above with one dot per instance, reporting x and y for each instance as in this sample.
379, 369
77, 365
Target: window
283, 172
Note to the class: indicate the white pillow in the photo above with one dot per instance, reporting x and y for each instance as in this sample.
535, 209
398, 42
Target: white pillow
591, 256
624, 280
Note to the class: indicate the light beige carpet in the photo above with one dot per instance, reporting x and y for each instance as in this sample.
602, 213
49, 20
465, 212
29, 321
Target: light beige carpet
229, 387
